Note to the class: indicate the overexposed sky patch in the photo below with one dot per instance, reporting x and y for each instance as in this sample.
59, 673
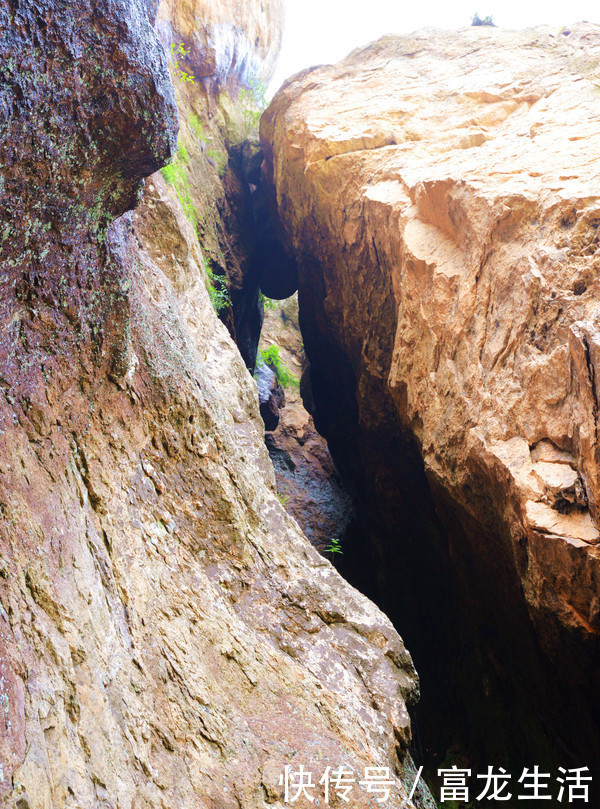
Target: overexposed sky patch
324, 31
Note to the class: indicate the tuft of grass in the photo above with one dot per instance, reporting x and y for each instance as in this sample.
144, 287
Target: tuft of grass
270, 356
197, 127
175, 173
183, 154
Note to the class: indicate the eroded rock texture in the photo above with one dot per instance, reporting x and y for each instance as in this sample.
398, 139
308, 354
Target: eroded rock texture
221, 57
442, 193
168, 637
229, 41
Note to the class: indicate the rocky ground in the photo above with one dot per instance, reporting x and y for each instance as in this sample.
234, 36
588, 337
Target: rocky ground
308, 484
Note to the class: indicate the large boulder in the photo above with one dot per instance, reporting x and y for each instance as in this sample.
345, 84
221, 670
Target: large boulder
441, 192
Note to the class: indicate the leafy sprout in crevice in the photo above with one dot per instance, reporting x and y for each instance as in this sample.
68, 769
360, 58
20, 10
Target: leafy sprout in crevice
270, 356
179, 51
218, 292
268, 303
334, 546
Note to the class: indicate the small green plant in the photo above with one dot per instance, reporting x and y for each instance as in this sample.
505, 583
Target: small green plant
268, 303
197, 127
270, 356
335, 546
218, 291
219, 294
283, 498
183, 154
253, 102
477, 20
178, 51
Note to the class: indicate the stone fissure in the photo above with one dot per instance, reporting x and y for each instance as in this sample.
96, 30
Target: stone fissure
169, 637
593, 388
149, 654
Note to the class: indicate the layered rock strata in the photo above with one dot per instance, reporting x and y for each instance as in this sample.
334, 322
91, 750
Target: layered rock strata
168, 637
442, 194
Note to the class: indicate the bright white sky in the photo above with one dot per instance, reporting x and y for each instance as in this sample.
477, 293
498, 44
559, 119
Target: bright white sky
324, 31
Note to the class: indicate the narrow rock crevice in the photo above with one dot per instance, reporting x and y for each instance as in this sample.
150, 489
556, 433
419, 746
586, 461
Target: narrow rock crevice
165, 632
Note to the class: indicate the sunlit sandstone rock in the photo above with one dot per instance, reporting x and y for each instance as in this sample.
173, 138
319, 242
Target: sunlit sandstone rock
442, 192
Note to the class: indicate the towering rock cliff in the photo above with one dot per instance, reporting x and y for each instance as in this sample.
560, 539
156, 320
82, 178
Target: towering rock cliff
442, 194
168, 638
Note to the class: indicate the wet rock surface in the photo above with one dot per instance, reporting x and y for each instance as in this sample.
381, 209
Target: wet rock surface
442, 195
227, 42
168, 637
271, 396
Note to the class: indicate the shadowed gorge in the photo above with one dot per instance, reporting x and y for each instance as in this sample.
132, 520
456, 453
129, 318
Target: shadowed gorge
172, 631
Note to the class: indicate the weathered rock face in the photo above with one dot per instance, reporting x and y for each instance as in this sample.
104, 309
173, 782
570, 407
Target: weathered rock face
271, 396
221, 56
229, 41
442, 193
168, 637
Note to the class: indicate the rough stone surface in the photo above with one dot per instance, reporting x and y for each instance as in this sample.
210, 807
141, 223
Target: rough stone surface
229, 40
271, 396
442, 194
168, 637
223, 56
